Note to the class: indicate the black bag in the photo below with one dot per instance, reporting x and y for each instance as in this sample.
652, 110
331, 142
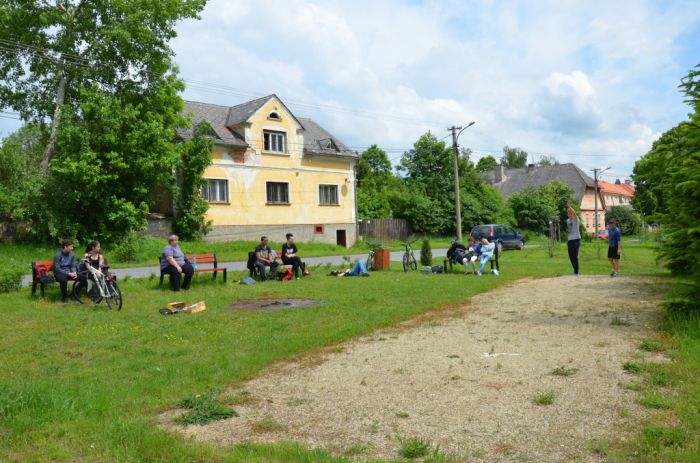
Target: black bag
437, 269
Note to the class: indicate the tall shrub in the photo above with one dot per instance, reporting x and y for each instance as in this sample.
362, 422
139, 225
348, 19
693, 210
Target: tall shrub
426, 254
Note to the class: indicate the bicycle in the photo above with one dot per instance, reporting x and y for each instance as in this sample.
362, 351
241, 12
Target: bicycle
409, 260
370, 256
101, 287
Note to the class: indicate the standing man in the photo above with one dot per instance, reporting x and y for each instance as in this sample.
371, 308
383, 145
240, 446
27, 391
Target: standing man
289, 257
574, 237
263, 258
65, 268
614, 247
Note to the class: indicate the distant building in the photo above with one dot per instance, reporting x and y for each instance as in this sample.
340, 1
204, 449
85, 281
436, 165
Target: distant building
616, 194
274, 173
511, 181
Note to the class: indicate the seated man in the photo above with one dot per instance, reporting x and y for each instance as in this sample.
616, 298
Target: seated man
265, 258
289, 257
486, 254
65, 268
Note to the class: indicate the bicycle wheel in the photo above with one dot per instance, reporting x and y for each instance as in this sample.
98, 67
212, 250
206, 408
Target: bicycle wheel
412, 262
370, 261
406, 262
81, 292
114, 301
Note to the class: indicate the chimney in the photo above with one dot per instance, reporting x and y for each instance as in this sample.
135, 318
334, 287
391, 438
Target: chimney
618, 182
628, 182
498, 174
530, 168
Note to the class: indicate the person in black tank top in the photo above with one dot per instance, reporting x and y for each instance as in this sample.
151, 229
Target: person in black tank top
289, 257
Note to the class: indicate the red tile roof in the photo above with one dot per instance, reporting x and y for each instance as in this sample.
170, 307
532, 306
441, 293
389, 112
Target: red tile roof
622, 189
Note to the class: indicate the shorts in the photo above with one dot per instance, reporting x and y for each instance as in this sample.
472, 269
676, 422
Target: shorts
613, 254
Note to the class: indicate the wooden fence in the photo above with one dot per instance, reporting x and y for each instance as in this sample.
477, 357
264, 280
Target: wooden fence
384, 229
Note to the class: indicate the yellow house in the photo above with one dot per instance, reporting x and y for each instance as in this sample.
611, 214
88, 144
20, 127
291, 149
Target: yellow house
273, 173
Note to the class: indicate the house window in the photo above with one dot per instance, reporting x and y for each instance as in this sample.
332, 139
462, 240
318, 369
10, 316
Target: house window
277, 193
328, 194
274, 115
274, 141
318, 229
215, 191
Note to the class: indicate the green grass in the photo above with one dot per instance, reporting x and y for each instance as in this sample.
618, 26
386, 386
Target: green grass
413, 447
544, 398
204, 408
80, 383
564, 371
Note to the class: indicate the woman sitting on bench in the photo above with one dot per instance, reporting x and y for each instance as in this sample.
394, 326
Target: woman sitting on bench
173, 263
94, 258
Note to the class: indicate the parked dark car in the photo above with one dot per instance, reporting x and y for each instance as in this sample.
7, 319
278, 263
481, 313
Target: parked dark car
504, 236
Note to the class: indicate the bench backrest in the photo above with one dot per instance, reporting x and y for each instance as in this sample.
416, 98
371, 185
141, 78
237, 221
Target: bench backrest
203, 258
39, 265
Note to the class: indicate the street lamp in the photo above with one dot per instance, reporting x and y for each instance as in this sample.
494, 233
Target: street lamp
458, 200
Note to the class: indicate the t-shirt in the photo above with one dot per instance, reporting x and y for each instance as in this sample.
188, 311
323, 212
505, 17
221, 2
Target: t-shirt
288, 249
264, 252
572, 227
614, 237
176, 253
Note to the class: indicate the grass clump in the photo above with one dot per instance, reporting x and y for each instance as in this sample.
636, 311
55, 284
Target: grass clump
617, 321
354, 450
268, 424
401, 415
544, 398
656, 400
564, 371
413, 447
632, 367
663, 436
204, 408
651, 346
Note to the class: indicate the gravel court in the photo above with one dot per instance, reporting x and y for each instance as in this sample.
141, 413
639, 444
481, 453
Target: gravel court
465, 379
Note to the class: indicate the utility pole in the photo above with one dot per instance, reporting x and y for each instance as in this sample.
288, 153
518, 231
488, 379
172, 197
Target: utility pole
596, 173
458, 199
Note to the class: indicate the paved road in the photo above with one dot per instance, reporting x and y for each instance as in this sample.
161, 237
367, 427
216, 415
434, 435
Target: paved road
141, 272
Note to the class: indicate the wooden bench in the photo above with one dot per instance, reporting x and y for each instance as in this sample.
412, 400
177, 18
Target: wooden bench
201, 259
255, 271
494, 261
42, 268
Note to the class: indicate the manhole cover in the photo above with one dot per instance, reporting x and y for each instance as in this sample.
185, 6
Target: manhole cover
273, 304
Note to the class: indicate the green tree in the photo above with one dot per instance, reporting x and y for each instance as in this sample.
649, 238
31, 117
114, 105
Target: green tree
110, 157
487, 163
546, 161
52, 50
533, 207
668, 186
627, 219
190, 206
375, 184
20, 179
513, 158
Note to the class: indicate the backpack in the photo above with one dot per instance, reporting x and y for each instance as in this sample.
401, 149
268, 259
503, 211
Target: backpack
284, 274
437, 269
42, 274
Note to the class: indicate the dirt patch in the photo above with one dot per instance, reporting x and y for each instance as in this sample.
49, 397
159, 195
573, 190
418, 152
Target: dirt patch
273, 304
467, 383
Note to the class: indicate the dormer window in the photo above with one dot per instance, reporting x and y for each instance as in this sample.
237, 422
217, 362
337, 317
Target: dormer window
274, 141
274, 116
327, 144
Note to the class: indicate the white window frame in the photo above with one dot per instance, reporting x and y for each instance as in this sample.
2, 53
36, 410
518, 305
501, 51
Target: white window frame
215, 187
280, 195
326, 196
274, 141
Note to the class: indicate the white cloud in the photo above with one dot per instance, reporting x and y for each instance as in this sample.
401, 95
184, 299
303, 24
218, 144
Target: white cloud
555, 77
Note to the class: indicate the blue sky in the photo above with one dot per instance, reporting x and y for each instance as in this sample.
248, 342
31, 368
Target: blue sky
589, 82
